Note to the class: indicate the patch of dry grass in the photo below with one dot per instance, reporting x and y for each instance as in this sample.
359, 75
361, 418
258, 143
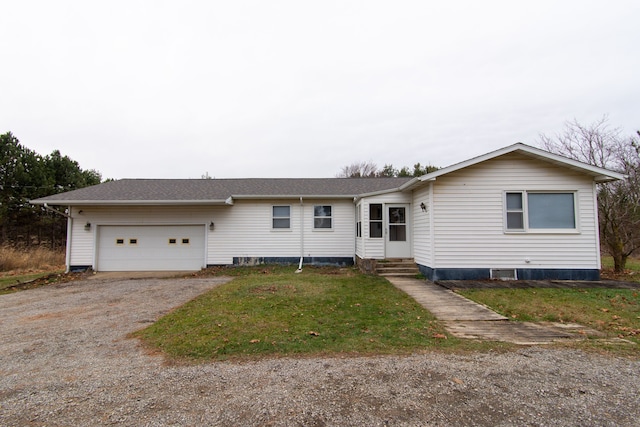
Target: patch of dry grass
30, 259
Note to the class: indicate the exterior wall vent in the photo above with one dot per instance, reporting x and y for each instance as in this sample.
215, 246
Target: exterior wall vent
504, 274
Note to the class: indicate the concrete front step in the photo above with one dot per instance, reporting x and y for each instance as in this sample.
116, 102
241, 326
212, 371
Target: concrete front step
400, 275
397, 268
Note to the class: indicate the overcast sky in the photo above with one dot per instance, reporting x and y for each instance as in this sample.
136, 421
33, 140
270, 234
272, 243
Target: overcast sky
177, 89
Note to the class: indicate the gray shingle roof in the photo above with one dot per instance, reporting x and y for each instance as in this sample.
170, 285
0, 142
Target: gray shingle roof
218, 190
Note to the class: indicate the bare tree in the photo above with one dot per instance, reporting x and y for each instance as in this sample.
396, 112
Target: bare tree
618, 201
370, 170
359, 170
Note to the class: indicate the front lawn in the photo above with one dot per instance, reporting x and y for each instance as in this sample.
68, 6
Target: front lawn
615, 312
272, 311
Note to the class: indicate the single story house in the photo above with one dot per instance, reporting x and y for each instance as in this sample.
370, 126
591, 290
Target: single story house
516, 212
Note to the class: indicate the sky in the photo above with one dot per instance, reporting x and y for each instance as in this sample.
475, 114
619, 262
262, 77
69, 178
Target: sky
300, 88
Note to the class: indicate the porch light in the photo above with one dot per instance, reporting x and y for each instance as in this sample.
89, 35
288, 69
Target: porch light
211, 226
423, 207
87, 226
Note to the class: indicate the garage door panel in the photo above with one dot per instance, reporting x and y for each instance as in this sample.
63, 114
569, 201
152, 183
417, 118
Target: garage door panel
150, 248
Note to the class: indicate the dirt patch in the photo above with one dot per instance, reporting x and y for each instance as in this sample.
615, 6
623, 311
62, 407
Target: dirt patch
72, 364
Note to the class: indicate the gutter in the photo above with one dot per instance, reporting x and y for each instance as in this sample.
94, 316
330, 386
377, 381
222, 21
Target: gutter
130, 202
50, 209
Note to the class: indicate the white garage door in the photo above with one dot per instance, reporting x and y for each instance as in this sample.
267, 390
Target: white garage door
150, 247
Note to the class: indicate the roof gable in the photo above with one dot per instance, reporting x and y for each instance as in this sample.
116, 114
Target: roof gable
599, 174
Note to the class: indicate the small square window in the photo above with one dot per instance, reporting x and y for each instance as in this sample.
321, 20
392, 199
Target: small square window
322, 216
281, 217
119, 242
133, 241
173, 241
185, 241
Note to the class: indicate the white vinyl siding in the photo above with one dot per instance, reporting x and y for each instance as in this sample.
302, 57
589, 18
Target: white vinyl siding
242, 230
422, 231
340, 242
374, 248
281, 217
322, 218
468, 211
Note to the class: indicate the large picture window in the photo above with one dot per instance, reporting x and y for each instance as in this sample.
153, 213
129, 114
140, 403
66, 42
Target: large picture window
540, 211
322, 216
375, 220
281, 217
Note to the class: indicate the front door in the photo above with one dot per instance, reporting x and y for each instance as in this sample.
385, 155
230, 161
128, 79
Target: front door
397, 239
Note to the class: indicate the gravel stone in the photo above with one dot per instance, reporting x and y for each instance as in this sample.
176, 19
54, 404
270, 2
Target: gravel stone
65, 359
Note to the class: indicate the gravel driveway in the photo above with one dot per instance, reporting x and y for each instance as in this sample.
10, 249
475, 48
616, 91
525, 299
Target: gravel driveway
65, 360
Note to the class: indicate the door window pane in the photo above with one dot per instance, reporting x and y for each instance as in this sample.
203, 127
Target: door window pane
397, 227
396, 216
397, 233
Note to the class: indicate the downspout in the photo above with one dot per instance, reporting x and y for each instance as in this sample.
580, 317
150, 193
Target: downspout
69, 235
299, 270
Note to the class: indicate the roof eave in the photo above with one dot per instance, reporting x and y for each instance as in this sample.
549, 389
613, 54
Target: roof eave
292, 196
380, 192
128, 202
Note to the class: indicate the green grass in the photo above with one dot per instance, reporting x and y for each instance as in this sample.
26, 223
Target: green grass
7, 282
614, 312
272, 311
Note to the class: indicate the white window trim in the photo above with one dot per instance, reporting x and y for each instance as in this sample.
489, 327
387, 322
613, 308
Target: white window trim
359, 220
283, 229
525, 213
370, 221
322, 230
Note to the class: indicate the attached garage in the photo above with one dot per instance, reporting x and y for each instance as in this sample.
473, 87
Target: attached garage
150, 247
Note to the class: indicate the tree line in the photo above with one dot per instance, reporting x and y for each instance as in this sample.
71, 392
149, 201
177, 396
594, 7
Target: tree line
27, 175
371, 170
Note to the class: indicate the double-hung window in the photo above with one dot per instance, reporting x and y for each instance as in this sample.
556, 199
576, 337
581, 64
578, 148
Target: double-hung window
375, 220
359, 221
539, 211
281, 217
322, 218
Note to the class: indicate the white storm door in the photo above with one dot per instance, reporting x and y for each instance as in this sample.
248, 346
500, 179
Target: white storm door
397, 235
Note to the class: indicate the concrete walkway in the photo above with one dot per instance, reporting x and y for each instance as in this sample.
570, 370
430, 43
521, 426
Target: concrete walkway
464, 318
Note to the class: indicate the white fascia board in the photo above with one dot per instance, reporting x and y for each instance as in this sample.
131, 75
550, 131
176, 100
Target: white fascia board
599, 174
128, 202
378, 193
292, 196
